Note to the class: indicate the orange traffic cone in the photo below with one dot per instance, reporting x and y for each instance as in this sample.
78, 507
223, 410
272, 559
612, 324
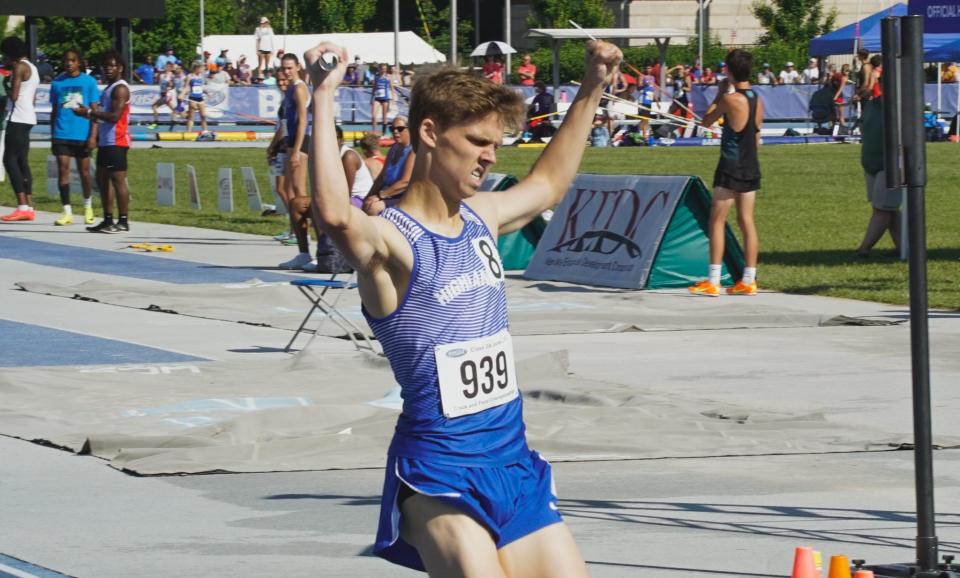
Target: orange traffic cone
839, 567
863, 574
803, 566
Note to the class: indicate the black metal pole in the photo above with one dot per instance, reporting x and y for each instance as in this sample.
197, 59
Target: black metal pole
915, 173
890, 52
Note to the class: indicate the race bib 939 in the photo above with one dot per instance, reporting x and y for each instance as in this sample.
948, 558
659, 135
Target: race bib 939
476, 375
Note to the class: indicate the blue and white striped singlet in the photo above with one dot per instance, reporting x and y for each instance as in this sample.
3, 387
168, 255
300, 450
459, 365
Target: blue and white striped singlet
455, 295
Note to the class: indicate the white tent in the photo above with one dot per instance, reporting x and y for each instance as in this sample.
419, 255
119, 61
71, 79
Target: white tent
369, 46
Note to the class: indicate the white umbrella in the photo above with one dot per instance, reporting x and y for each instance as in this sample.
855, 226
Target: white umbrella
493, 47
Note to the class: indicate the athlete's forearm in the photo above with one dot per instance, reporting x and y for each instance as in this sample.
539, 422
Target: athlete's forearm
331, 193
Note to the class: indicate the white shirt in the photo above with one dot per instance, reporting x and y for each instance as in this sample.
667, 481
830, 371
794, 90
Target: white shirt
23, 111
362, 181
765, 77
789, 77
265, 36
810, 75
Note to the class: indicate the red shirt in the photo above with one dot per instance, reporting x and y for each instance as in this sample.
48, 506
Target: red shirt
494, 72
530, 69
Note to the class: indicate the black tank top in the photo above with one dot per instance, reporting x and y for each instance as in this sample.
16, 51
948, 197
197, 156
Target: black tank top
738, 150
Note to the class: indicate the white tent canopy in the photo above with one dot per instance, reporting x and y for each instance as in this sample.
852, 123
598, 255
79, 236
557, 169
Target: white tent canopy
369, 46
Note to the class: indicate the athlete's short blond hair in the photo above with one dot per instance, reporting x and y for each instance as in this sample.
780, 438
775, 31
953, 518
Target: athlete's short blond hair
452, 97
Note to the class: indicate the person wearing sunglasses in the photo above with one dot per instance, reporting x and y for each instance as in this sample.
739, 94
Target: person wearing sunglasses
397, 170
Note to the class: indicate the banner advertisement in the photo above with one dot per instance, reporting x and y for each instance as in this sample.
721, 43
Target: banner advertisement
606, 230
939, 16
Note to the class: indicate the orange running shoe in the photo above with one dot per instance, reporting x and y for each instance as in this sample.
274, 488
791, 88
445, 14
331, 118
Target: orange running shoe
742, 288
705, 287
18, 215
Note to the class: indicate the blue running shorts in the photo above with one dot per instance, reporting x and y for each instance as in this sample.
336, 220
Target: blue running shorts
511, 501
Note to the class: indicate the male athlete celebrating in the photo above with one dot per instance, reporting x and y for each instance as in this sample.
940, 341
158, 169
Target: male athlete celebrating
463, 495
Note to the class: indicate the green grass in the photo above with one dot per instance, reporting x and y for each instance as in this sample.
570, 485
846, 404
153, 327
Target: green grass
811, 211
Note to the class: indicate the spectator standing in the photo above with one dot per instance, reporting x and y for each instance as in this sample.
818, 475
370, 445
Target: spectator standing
885, 203
789, 74
276, 63
838, 80
73, 136
243, 76
599, 134
708, 77
765, 76
527, 71
811, 74
44, 68
681, 87
370, 74
406, 77
144, 74
222, 60
493, 69
264, 36
722, 71
167, 56
865, 78
351, 77
20, 120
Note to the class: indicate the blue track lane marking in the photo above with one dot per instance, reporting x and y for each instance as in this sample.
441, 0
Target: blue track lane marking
14, 568
26, 345
128, 264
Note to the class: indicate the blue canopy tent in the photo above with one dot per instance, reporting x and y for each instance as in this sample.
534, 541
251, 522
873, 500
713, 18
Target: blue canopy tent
840, 41
946, 53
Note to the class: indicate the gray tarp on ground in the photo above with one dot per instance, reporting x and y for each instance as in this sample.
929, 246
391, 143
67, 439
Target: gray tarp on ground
313, 412
536, 308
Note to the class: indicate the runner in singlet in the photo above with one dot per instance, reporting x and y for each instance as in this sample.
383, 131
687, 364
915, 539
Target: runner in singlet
383, 95
193, 95
297, 119
113, 138
168, 95
648, 91
21, 119
737, 177
277, 157
463, 494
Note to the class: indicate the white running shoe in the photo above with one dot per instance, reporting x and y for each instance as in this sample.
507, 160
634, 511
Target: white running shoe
297, 262
311, 267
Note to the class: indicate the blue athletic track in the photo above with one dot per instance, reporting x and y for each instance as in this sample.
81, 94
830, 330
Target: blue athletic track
14, 568
26, 345
128, 264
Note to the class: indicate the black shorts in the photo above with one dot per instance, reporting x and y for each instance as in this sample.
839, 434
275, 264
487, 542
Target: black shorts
727, 181
112, 157
304, 147
70, 148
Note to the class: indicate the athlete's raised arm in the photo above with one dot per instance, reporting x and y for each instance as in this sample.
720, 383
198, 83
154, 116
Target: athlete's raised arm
356, 234
552, 173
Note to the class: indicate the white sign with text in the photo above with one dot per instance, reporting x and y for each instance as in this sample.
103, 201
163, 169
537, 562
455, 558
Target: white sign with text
607, 230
